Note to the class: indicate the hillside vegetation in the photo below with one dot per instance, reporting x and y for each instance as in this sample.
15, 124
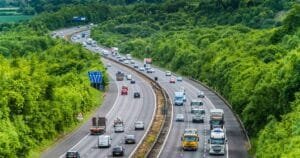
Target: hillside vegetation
44, 86
249, 52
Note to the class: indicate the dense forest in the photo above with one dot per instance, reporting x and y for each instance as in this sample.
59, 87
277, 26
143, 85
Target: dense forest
44, 86
247, 50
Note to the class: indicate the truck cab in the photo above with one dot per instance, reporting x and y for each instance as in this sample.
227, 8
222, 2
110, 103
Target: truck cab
217, 142
179, 98
196, 105
190, 139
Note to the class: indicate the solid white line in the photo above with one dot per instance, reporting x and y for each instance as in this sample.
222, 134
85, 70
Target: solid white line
150, 124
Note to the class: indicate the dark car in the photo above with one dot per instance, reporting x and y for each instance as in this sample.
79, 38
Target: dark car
136, 95
72, 154
129, 139
118, 151
132, 81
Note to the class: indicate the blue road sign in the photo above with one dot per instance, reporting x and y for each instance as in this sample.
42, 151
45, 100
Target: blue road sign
95, 76
79, 18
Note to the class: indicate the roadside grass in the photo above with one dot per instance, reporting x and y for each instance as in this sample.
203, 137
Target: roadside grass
99, 97
14, 18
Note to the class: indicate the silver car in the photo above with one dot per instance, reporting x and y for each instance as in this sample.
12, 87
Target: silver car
139, 125
179, 118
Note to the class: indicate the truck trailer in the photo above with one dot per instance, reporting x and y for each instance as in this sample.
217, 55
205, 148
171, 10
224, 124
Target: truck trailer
98, 125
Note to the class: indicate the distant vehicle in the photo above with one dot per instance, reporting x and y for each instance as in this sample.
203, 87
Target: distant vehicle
108, 64
168, 73
126, 61
217, 142
196, 102
179, 78
216, 118
72, 154
179, 98
129, 77
98, 125
124, 90
197, 109
132, 61
139, 125
155, 78
129, 139
136, 95
198, 117
179, 118
104, 141
200, 94
118, 125
120, 76
172, 80
147, 60
136, 66
118, 151
190, 139
128, 56
142, 69
151, 70
132, 81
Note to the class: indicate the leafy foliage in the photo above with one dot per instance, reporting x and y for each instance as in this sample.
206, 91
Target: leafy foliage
257, 70
44, 85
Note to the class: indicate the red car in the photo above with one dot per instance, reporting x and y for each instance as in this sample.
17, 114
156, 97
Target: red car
172, 80
124, 90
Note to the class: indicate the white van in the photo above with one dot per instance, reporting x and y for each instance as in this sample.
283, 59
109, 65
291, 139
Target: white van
104, 141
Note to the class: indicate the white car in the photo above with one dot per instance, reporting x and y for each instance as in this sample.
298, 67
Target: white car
168, 73
142, 69
200, 94
129, 77
179, 78
126, 62
139, 125
179, 117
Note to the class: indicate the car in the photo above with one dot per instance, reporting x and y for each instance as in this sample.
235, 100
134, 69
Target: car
136, 95
151, 70
139, 125
118, 151
172, 80
200, 94
124, 90
108, 64
72, 154
136, 66
132, 81
119, 128
168, 73
179, 117
129, 77
129, 139
179, 78
126, 62
132, 61
142, 69
198, 117
104, 141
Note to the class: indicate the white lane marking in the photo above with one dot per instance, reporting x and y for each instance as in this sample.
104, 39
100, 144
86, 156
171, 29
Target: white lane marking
149, 125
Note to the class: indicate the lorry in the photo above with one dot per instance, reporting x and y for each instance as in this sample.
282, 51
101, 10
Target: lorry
98, 125
118, 125
190, 139
124, 90
179, 98
216, 118
217, 142
114, 51
120, 76
147, 60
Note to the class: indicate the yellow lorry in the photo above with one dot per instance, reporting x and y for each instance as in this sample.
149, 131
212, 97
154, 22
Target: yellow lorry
190, 139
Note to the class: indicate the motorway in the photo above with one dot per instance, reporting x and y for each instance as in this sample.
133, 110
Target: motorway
125, 107
237, 142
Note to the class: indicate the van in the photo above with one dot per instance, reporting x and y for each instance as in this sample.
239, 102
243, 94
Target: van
104, 141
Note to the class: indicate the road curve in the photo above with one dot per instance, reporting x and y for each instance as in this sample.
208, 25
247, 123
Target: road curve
125, 107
